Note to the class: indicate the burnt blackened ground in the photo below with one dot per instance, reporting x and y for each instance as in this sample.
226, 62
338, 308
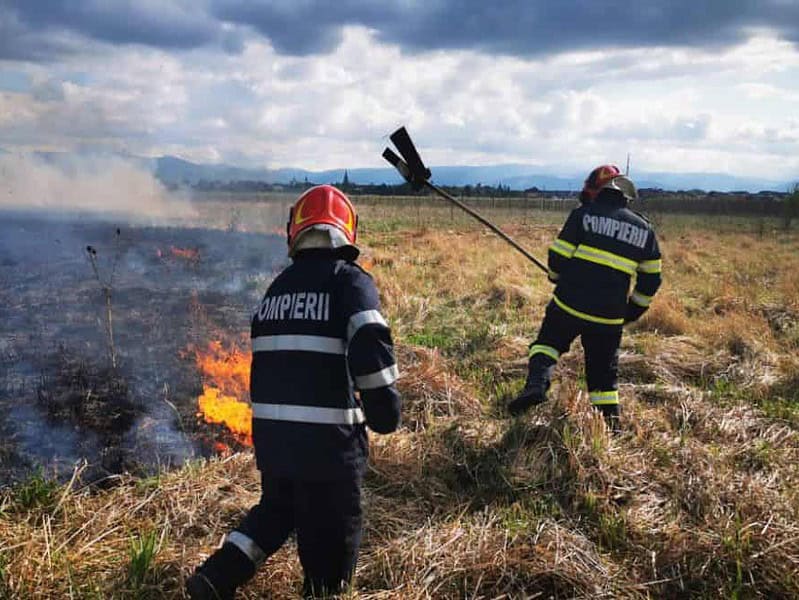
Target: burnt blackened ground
59, 400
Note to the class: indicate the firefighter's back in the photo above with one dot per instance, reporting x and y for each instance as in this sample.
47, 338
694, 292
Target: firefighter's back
609, 243
307, 422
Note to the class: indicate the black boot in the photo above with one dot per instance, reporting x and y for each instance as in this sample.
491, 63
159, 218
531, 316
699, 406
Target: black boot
220, 575
199, 587
539, 376
319, 591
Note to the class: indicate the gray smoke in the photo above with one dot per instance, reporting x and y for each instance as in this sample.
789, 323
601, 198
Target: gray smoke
104, 185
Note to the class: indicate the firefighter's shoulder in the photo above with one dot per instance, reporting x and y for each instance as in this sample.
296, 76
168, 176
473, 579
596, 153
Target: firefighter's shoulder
279, 280
355, 286
641, 216
636, 218
351, 269
580, 208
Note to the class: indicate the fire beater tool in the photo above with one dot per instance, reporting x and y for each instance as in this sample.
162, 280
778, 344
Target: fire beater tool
414, 171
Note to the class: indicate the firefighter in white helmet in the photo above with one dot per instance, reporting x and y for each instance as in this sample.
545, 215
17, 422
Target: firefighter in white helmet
323, 369
601, 248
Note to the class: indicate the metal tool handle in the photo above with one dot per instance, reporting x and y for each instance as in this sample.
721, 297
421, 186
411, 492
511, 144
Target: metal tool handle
418, 175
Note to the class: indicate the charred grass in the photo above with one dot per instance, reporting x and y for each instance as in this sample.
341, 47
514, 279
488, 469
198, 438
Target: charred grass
697, 498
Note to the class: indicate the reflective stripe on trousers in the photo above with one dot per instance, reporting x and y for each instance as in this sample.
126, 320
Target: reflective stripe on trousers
544, 349
247, 546
604, 398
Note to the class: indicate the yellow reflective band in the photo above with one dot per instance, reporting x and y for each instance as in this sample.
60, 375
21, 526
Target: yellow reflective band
587, 317
641, 299
563, 248
649, 266
604, 398
553, 275
608, 259
541, 349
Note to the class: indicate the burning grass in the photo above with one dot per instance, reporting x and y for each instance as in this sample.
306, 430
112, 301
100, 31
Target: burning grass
697, 498
226, 377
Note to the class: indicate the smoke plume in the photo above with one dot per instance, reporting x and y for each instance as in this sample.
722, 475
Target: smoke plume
104, 185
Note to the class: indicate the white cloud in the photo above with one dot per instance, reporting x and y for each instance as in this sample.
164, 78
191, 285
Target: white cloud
674, 109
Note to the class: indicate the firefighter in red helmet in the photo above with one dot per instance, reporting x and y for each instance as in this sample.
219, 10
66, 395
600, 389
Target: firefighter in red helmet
323, 370
602, 247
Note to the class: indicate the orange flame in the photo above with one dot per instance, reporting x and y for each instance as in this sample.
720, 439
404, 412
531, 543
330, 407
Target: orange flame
222, 448
226, 377
186, 253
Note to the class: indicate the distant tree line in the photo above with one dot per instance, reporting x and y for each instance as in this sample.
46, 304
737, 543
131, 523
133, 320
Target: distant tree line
766, 203
382, 189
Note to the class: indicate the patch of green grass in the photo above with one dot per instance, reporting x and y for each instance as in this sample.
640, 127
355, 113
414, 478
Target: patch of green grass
35, 493
571, 438
500, 390
148, 483
610, 526
612, 530
4, 591
525, 515
782, 402
142, 552
442, 340
737, 544
781, 408
385, 225
725, 392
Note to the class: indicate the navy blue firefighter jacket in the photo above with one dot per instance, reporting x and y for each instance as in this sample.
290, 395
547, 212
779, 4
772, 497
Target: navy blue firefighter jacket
323, 369
602, 247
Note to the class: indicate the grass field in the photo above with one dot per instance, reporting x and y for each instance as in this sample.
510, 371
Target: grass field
698, 498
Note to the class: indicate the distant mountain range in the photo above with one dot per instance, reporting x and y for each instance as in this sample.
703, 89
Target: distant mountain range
176, 171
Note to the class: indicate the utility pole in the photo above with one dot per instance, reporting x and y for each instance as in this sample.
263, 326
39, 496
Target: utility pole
627, 171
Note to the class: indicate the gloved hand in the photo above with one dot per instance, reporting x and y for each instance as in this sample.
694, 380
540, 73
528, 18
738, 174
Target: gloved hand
634, 312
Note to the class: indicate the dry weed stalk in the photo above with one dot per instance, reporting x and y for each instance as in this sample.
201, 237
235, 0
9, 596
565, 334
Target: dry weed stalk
107, 286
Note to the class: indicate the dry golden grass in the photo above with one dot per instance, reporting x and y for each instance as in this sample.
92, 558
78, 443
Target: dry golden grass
699, 497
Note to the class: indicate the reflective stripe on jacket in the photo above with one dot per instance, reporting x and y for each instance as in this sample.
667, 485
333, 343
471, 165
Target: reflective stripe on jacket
602, 247
318, 337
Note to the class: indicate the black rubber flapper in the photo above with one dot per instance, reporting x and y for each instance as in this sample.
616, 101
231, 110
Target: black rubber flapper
398, 164
419, 172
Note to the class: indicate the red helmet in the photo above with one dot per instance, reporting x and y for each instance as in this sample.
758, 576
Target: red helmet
323, 207
607, 176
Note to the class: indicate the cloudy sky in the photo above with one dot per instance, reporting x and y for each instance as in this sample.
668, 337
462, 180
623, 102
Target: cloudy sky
683, 85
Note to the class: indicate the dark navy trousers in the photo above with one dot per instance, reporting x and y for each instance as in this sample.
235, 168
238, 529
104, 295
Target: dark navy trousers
601, 346
327, 518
